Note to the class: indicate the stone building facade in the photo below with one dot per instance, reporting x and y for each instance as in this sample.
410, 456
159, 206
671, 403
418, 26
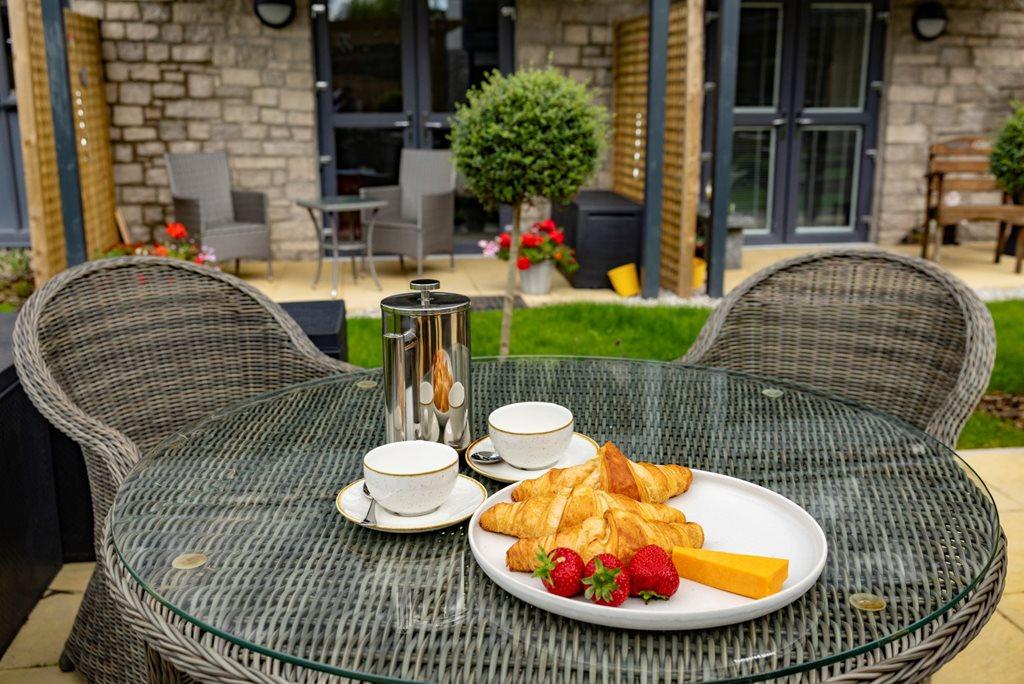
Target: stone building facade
960, 84
197, 75
205, 75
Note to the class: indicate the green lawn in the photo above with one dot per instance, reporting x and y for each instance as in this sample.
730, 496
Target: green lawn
666, 333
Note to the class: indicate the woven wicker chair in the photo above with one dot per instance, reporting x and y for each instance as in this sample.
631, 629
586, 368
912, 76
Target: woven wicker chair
896, 333
893, 332
118, 354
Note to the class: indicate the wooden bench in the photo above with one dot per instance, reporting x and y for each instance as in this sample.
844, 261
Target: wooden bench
961, 165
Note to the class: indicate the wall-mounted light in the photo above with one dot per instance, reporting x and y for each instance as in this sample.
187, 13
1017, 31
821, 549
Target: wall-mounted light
929, 20
275, 13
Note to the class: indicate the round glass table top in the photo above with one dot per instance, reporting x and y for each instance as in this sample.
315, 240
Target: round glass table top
232, 525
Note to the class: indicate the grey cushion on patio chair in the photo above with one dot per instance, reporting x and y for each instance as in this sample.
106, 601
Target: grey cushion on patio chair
893, 332
420, 217
233, 223
119, 354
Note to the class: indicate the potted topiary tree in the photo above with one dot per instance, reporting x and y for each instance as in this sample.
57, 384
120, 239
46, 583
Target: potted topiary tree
1007, 162
534, 133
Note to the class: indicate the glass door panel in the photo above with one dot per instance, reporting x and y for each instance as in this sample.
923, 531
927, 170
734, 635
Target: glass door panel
758, 136
759, 59
829, 167
837, 57
753, 173
365, 47
830, 124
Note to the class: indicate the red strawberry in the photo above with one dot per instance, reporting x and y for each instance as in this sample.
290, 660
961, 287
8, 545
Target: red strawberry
606, 580
652, 574
560, 571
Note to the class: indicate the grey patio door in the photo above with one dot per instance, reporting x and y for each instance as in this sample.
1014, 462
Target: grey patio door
807, 94
13, 217
389, 74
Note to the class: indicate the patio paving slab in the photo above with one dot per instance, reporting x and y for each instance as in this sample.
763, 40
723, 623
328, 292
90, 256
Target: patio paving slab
42, 637
73, 577
478, 276
39, 675
994, 656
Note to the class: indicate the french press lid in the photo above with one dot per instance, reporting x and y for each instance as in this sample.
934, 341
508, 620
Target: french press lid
425, 299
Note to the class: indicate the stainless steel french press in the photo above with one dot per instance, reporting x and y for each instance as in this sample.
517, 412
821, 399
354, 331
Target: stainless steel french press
427, 390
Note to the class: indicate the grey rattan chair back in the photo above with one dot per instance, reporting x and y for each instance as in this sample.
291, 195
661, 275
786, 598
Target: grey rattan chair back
894, 332
121, 353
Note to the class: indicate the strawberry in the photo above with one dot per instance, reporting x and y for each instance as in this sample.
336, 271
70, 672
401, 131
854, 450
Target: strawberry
560, 571
652, 574
606, 580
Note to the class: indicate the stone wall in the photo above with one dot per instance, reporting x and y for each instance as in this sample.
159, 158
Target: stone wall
204, 75
961, 83
577, 36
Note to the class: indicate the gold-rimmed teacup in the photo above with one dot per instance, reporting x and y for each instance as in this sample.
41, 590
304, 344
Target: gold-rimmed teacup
412, 477
531, 434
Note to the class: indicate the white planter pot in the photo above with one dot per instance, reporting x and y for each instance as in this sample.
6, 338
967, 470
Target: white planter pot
537, 278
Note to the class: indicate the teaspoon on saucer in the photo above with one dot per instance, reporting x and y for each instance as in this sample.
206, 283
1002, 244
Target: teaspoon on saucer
486, 457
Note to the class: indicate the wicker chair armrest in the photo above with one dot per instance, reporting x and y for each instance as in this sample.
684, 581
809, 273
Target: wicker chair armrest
119, 452
251, 206
437, 211
392, 194
187, 212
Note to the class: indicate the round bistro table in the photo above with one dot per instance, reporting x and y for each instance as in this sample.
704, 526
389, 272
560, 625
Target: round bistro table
284, 588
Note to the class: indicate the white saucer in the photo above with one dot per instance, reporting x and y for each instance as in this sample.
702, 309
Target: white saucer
581, 449
463, 502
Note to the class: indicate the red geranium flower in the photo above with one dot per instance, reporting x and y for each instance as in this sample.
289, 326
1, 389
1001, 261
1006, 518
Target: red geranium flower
558, 236
522, 263
177, 231
505, 240
547, 225
160, 250
532, 240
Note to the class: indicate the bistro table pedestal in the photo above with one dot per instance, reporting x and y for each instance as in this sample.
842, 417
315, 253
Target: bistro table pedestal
232, 562
327, 234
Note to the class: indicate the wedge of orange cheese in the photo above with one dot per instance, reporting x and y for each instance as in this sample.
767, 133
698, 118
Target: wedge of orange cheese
753, 576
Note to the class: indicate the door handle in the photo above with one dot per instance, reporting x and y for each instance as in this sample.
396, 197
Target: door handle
804, 121
781, 121
402, 124
433, 124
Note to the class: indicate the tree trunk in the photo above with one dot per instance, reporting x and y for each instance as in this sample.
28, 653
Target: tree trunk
510, 284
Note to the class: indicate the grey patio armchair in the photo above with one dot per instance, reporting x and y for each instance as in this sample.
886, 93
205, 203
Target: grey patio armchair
120, 353
420, 217
893, 332
234, 223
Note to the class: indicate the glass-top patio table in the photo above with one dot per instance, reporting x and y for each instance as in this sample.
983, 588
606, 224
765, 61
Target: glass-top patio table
284, 579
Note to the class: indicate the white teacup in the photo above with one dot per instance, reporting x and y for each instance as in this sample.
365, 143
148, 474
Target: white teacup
412, 477
531, 434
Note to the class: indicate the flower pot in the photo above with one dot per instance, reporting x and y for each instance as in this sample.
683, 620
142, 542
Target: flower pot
537, 278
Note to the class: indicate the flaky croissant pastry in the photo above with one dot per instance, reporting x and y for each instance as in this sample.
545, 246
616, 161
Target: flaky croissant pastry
549, 513
619, 532
611, 471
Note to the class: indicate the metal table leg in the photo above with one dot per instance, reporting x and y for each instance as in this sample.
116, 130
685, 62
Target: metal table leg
318, 226
369, 248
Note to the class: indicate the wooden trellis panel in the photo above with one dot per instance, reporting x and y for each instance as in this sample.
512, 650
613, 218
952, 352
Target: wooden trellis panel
92, 131
683, 102
39, 154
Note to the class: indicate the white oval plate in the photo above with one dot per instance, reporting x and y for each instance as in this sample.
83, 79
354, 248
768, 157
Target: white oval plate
581, 449
736, 515
463, 502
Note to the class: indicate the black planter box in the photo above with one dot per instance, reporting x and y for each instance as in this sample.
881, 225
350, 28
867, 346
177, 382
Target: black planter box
324, 324
605, 229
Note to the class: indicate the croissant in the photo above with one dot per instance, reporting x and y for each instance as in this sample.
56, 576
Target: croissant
619, 532
548, 513
611, 471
